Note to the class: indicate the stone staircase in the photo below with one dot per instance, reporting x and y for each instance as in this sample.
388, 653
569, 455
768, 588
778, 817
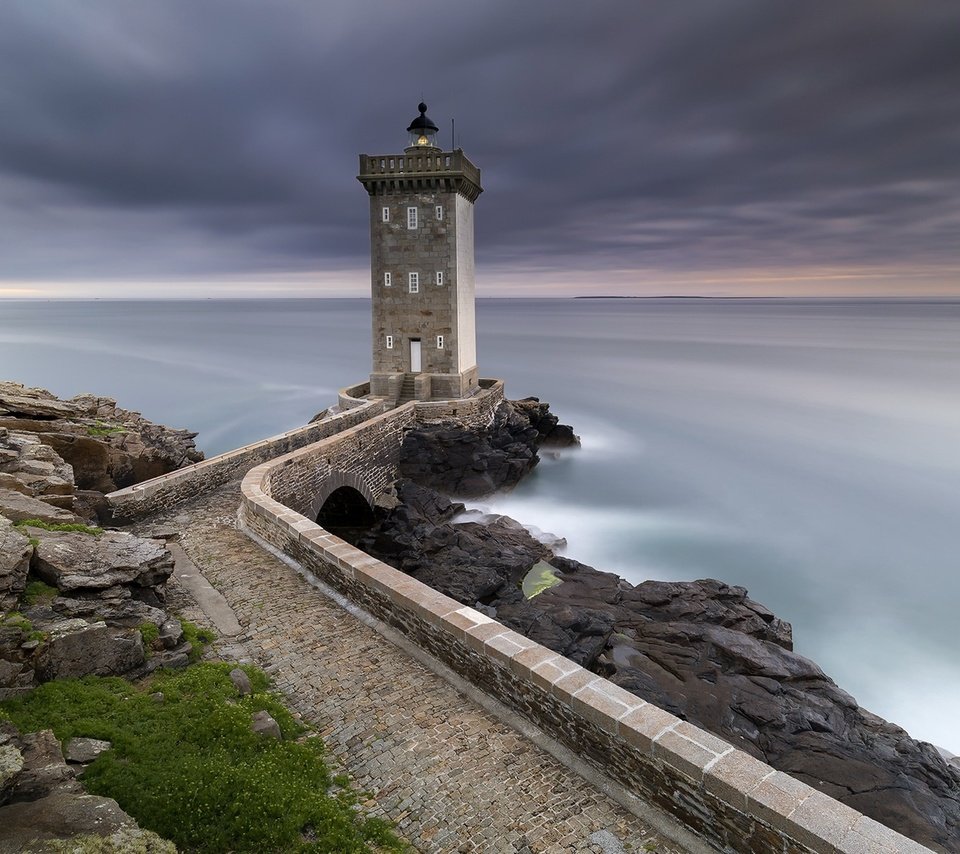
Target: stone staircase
407, 390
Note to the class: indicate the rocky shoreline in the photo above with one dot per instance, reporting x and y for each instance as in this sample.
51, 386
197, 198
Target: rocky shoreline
75, 600
703, 650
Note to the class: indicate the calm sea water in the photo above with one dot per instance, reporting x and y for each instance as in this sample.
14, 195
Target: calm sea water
807, 450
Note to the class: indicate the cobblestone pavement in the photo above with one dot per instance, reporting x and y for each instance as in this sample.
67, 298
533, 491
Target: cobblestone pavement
449, 774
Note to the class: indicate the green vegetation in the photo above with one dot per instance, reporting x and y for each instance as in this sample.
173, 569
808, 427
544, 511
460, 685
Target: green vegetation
73, 527
38, 591
149, 632
16, 620
541, 577
101, 428
199, 639
189, 767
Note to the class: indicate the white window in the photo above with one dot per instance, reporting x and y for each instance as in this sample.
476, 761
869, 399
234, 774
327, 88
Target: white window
387, 279
386, 214
411, 217
439, 277
439, 342
414, 281
389, 342
439, 211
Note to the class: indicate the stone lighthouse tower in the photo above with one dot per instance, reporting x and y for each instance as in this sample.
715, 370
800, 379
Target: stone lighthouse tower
421, 264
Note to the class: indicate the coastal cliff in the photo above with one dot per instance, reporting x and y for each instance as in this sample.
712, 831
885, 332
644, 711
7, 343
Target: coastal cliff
702, 650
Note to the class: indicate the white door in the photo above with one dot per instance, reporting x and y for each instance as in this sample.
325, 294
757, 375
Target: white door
415, 356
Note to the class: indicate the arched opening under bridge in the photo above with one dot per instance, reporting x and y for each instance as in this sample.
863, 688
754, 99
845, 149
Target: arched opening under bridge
346, 513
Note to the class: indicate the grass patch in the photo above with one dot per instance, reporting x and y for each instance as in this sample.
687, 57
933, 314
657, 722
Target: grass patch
16, 620
101, 428
73, 527
149, 632
190, 769
38, 592
199, 639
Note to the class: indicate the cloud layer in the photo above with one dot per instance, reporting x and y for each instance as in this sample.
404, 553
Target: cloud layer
622, 144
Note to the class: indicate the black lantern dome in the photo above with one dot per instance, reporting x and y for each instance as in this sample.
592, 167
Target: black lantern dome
422, 130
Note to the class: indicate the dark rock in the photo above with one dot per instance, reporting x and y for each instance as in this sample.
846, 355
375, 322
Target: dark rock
703, 650
263, 724
460, 461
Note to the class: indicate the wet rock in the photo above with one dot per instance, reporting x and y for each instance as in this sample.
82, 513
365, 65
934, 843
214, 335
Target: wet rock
459, 461
15, 552
82, 751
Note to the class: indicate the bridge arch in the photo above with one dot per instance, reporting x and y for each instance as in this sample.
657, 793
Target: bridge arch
344, 487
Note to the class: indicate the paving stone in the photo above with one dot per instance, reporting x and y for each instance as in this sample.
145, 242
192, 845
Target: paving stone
447, 772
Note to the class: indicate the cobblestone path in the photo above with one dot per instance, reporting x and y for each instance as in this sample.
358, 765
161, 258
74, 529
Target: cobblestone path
449, 774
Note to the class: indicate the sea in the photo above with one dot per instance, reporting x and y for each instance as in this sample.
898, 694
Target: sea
808, 450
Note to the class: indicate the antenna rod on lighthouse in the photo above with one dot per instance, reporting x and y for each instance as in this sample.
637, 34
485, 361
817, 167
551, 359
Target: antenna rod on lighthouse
453, 134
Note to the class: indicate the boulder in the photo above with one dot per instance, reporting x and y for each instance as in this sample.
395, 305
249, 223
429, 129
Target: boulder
76, 648
11, 764
82, 751
59, 815
74, 561
18, 507
241, 682
43, 768
15, 553
263, 724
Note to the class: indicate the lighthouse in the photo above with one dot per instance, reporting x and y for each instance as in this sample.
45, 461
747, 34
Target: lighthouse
421, 268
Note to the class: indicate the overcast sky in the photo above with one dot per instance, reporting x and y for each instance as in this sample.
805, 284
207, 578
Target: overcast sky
209, 147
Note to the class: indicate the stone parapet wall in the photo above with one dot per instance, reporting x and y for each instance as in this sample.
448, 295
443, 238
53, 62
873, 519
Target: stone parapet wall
160, 493
475, 411
353, 396
731, 800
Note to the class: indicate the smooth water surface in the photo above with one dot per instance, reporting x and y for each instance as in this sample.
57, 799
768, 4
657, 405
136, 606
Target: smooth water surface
807, 450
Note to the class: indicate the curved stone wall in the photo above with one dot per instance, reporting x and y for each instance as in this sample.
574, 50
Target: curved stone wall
727, 797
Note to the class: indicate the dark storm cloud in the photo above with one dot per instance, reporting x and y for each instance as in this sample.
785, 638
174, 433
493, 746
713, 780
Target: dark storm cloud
185, 137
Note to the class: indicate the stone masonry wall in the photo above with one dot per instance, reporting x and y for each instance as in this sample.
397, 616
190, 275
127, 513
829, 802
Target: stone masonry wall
136, 502
727, 797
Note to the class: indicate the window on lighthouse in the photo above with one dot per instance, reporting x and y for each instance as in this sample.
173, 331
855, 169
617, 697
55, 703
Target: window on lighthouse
414, 283
411, 218
439, 277
386, 214
387, 279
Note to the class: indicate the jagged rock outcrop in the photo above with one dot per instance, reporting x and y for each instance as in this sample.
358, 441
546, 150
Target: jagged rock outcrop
703, 650
42, 802
468, 463
15, 553
102, 587
106, 446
